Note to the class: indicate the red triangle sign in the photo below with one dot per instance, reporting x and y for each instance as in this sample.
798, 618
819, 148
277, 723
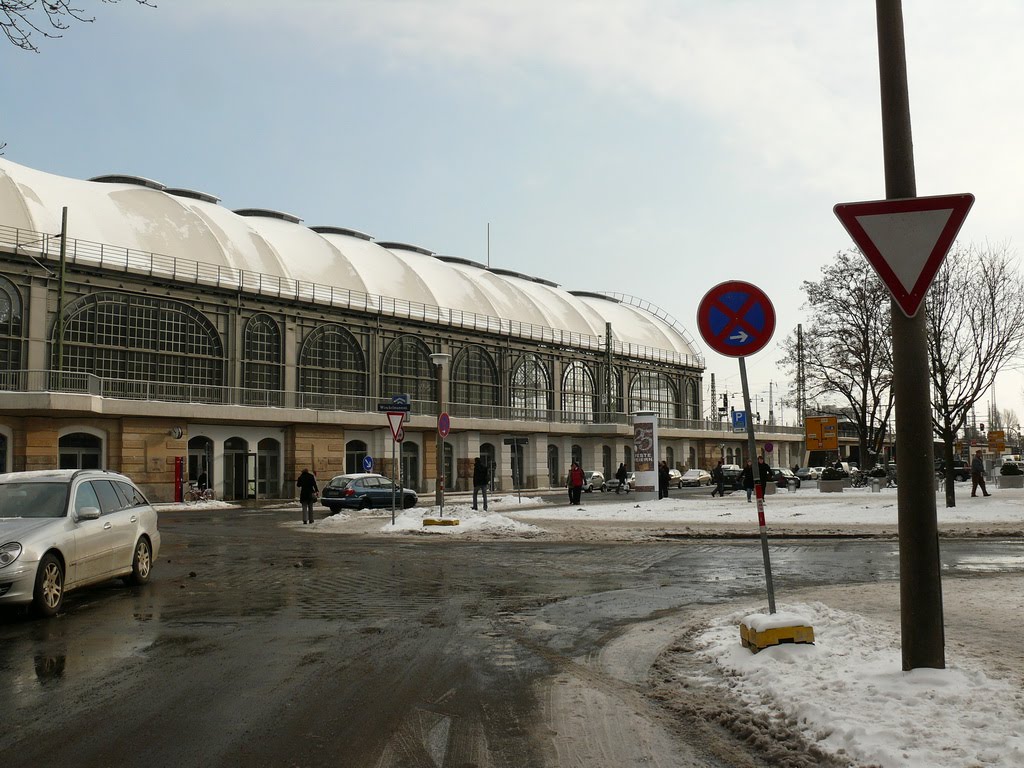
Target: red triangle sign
906, 240
395, 422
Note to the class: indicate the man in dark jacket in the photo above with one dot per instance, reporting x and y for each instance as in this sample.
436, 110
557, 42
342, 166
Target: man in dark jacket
718, 475
480, 479
622, 476
308, 491
663, 480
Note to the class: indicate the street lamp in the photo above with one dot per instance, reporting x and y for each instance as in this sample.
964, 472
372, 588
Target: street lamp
440, 362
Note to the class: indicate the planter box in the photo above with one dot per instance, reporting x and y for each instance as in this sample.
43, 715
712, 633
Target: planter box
1011, 481
831, 486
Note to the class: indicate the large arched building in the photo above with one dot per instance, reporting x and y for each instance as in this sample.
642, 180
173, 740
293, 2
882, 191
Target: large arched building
163, 329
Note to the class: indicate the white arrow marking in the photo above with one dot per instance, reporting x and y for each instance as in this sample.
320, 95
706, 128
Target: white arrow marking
740, 337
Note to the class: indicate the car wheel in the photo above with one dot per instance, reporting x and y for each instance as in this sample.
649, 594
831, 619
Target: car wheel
142, 562
48, 595
408, 502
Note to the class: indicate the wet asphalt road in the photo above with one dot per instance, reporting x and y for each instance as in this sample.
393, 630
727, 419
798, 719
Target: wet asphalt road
260, 644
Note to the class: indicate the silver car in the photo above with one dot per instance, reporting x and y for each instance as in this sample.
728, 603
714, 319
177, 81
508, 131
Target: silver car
64, 529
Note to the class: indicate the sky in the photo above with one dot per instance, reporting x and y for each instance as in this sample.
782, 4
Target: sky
831, 692
653, 148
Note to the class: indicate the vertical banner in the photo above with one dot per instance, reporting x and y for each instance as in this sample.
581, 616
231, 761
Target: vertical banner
645, 453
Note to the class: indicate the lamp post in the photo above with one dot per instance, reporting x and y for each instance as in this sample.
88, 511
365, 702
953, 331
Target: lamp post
440, 362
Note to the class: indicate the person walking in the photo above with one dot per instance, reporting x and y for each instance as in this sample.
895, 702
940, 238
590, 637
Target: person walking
748, 479
575, 483
764, 474
663, 480
978, 475
480, 478
308, 491
718, 475
621, 475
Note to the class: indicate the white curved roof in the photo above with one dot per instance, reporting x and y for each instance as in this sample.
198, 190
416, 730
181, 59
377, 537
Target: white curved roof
139, 215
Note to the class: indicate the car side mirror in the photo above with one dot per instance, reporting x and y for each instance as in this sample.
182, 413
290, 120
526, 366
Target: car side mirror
89, 513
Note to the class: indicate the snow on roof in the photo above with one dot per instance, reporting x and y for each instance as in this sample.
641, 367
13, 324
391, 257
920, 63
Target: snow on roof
138, 214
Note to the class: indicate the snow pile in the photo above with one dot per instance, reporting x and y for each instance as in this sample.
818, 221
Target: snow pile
476, 521
847, 693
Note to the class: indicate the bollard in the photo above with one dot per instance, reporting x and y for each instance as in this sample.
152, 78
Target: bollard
792, 485
876, 485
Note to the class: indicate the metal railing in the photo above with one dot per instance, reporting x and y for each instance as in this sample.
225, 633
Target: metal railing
36, 381
46, 246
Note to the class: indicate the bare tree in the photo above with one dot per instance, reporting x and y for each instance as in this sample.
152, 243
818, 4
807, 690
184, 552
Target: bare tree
975, 328
848, 347
21, 19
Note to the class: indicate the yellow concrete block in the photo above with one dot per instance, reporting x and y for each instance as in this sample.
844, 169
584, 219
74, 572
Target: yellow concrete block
756, 641
442, 521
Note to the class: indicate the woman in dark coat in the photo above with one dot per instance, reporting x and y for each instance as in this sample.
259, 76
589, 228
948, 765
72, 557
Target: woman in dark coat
308, 491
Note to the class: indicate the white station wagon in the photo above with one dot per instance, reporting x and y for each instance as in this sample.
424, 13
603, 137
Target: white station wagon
65, 529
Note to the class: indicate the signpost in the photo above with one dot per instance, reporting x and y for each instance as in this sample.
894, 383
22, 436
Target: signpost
905, 238
367, 463
739, 421
737, 319
821, 433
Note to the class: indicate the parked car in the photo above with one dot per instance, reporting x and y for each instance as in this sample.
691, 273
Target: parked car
631, 481
675, 478
594, 481
807, 473
364, 490
63, 529
961, 469
783, 476
695, 477
733, 474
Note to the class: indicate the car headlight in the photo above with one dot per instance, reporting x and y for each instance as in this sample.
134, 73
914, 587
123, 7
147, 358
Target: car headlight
9, 552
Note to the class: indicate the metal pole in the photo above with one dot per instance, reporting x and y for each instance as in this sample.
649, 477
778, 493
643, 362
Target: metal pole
60, 291
920, 580
758, 489
392, 481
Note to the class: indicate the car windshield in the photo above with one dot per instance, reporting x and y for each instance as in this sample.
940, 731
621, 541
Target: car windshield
33, 499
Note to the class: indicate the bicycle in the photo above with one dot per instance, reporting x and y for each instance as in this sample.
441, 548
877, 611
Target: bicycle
193, 495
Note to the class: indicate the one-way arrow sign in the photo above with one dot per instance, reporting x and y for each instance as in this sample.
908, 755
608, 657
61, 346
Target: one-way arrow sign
906, 240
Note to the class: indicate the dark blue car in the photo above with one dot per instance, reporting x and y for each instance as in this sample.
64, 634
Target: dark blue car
363, 491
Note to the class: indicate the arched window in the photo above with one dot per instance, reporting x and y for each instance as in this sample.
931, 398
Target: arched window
268, 468
577, 393
80, 450
261, 361
10, 326
475, 379
332, 369
692, 401
652, 391
693, 459
554, 466
530, 393
355, 452
143, 339
406, 369
606, 461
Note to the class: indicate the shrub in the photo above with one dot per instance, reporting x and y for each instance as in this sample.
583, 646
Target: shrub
1011, 469
831, 473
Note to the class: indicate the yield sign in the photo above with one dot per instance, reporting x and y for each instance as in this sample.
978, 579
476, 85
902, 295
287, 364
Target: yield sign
395, 419
736, 318
906, 240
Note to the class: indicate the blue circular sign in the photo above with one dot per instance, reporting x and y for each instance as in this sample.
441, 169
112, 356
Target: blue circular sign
367, 463
736, 318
